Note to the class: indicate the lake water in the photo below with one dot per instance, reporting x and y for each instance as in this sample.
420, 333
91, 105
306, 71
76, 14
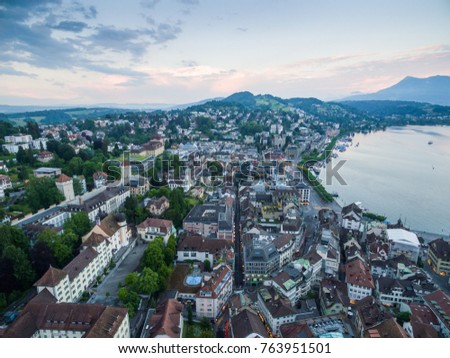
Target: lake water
396, 173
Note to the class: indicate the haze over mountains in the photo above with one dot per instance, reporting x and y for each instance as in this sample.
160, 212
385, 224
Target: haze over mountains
435, 90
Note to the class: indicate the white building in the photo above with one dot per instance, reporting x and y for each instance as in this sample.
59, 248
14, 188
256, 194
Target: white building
5, 183
65, 186
351, 217
274, 309
152, 228
403, 242
216, 289
42, 317
359, 280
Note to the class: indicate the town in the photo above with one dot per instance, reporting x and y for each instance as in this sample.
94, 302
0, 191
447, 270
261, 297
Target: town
208, 221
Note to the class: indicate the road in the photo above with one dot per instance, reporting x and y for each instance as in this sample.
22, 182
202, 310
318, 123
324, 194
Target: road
107, 291
238, 259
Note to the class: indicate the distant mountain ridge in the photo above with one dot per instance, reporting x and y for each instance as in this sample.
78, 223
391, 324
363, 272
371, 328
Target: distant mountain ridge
434, 90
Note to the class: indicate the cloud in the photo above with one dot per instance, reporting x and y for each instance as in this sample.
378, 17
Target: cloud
71, 26
9, 71
189, 2
242, 29
149, 4
165, 32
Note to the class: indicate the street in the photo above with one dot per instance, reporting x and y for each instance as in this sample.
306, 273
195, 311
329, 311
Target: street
107, 291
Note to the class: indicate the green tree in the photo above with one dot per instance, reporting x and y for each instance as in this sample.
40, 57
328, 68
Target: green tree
148, 282
131, 279
42, 192
207, 265
154, 254
76, 166
77, 186
190, 315
130, 300
23, 271
22, 173
170, 250
60, 246
79, 224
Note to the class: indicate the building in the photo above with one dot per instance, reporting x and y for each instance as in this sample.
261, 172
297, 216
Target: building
157, 206
403, 242
139, 185
44, 318
47, 172
439, 303
439, 256
64, 184
45, 156
351, 217
193, 247
247, 324
294, 282
151, 228
211, 220
100, 179
167, 320
57, 283
369, 313
214, 293
393, 292
333, 297
113, 229
388, 328
275, 310
335, 326
423, 322
102, 201
261, 259
82, 181
359, 280
5, 183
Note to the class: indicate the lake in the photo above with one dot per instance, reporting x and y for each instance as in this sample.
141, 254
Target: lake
397, 173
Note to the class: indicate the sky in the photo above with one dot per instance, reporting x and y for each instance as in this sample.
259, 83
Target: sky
86, 52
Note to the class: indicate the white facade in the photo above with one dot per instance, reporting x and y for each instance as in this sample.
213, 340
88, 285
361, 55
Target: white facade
403, 242
213, 296
358, 292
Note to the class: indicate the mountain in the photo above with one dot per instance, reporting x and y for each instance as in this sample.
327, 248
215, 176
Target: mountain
435, 90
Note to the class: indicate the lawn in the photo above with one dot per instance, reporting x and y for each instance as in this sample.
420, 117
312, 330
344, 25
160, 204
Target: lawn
195, 330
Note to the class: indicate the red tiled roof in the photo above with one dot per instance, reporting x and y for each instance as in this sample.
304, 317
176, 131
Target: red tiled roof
166, 319
357, 273
51, 278
63, 178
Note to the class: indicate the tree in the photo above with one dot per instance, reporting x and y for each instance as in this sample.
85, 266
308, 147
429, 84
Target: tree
32, 128
207, 265
76, 166
130, 300
41, 257
60, 246
148, 282
403, 317
154, 254
78, 223
77, 186
190, 315
23, 272
131, 279
22, 173
170, 250
41, 193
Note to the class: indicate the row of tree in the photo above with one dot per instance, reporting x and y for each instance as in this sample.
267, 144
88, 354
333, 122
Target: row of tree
22, 261
157, 265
